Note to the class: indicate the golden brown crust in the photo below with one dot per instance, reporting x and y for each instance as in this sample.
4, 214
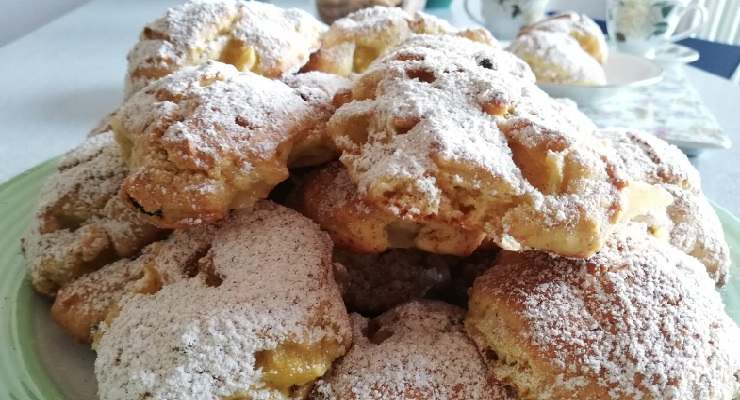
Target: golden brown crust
355, 41
446, 130
639, 319
81, 224
329, 197
251, 35
209, 139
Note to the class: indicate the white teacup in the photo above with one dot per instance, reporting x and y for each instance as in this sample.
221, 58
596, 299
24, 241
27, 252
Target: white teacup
641, 26
504, 17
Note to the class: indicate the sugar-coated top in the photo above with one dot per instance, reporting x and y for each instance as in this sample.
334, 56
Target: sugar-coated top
640, 319
198, 30
417, 350
266, 280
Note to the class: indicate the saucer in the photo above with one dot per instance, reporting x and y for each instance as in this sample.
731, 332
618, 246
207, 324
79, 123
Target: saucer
672, 54
623, 72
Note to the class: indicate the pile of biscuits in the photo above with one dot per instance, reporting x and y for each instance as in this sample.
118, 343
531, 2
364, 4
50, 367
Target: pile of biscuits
387, 208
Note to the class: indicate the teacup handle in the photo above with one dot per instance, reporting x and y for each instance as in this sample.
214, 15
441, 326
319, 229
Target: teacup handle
696, 21
472, 15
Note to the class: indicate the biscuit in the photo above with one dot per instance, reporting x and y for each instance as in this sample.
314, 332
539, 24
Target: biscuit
80, 223
417, 350
263, 319
208, 139
353, 42
557, 58
317, 89
83, 304
640, 319
580, 27
447, 130
329, 197
251, 35
689, 222
374, 283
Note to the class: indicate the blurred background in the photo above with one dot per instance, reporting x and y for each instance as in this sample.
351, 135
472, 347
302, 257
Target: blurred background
22, 16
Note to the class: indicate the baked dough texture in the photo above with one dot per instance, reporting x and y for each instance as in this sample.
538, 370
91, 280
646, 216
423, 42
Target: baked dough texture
329, 197
417, 350
640, 319
558, 58
318, 90
352, 43
580, 27
262, 319
82, 305
80, 223
208, 139
251, 35
566, 48
448, 130
689, 222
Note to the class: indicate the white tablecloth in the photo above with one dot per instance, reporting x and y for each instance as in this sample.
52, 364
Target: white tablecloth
56, 82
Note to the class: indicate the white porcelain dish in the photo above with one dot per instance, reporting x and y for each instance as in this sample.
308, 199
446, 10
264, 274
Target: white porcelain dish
623, 72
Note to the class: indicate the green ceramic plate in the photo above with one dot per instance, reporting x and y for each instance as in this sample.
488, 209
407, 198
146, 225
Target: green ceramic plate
38, 362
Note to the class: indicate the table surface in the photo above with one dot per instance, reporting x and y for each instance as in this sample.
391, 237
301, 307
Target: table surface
59, 80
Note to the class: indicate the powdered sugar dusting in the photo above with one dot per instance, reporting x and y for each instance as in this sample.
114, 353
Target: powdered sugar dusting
444, 116
557, 58
639, 320
199, 30
80, 223
192, 340
209, 138
80, 306
690, 222
416, 350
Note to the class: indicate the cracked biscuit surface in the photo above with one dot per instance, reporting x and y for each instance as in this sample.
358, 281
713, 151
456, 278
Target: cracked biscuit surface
640, 319
355, 41
262, 319
448, 130
329, 197
208, 139
416, 350
251, 35
80, 223
689, 222
82, 305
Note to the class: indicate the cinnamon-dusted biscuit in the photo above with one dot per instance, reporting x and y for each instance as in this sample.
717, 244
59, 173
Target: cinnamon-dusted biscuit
262, 320
417, 350
353, 42
374, 283
690, 222
207, 139
80, 223
557, 58
580, 27
83, 304
251, 35
447, 130
329, 197
640, 319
